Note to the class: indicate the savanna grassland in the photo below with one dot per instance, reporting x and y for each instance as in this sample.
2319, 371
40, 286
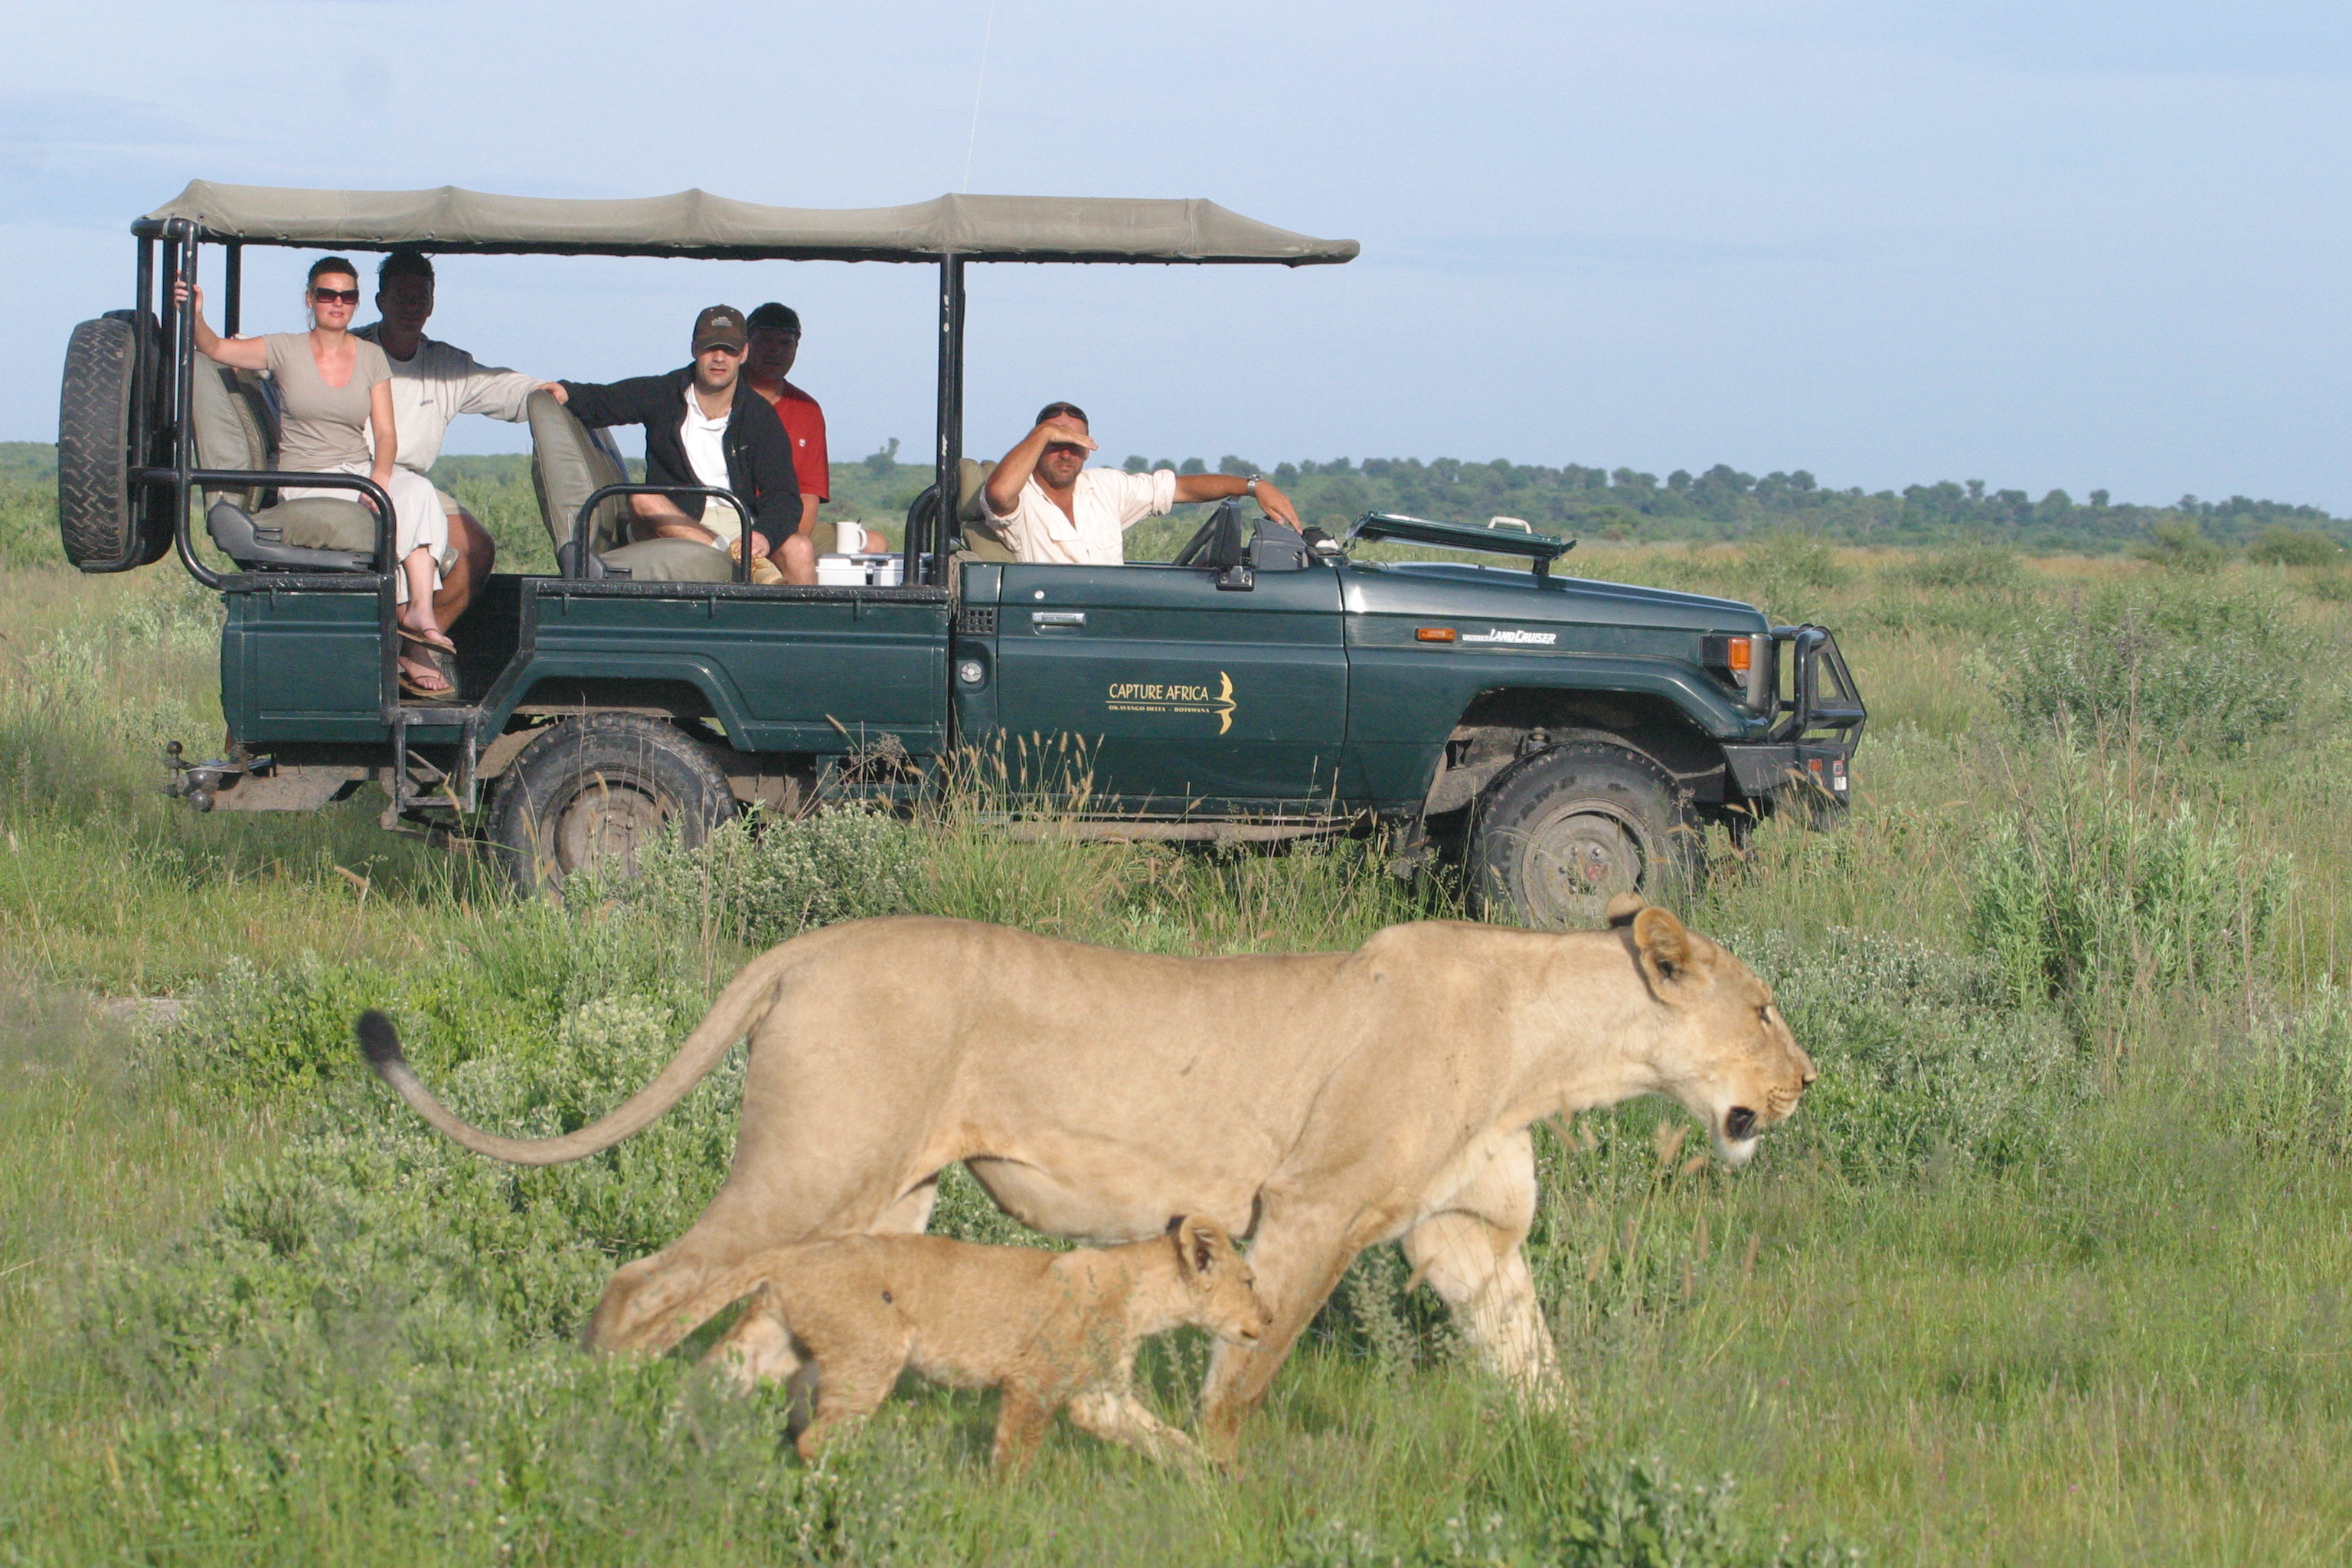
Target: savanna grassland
2055, 1264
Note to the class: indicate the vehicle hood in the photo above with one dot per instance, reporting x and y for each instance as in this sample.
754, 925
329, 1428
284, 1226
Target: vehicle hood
1462, 594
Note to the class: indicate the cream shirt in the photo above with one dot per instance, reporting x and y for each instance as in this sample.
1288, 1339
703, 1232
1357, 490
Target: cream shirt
1109, 501
706, 451
436, 384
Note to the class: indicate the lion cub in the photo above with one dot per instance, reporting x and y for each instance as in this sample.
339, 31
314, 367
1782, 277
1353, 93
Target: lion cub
1047, 1329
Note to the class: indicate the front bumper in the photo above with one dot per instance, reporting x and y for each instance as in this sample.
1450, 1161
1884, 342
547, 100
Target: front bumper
1817, 726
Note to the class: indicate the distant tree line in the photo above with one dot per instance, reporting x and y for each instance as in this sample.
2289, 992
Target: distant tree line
1589, 502
1724, 503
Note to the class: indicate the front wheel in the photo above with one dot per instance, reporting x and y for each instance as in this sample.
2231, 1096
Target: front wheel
592, 790
1557, 834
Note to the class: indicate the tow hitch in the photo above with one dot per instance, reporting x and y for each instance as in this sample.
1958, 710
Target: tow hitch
198, 783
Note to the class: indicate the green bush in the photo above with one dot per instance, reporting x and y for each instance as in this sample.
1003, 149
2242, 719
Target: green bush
2192, 664
2179, 544
2099, 891
1982, 568
760, 880
1785, 572
2279, 545
1628, 1514
500, 493
1922, 1054
28, 525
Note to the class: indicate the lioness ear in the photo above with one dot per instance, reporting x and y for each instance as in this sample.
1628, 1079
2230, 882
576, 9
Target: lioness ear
1622, 909
1664, 946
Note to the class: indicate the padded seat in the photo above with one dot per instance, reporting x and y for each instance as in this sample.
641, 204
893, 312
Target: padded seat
236, 427
984, 538
569, 463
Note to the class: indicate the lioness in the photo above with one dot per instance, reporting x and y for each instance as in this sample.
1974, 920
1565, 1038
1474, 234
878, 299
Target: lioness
1047, 1329
1318, 1103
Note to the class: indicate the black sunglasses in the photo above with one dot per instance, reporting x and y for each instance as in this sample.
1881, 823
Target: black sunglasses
336, 295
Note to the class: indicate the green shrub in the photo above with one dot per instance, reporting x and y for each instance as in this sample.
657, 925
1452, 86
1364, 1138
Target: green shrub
2179, 544
500, 493
2194, 664
1627, 1514
1786, 571
1921, 1055
28, 525
2289, 1080
2098, 892
2279, 545
760, 880
1982, 568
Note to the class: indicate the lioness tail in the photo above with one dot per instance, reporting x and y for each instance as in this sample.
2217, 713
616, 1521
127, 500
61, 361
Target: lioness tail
742, 1004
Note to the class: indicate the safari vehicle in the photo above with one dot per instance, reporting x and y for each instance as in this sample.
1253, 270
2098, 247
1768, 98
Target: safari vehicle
1567, 738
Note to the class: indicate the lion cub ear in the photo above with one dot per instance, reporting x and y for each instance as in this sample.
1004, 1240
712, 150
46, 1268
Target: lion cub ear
1199, 1242
1665, 948
1622, 909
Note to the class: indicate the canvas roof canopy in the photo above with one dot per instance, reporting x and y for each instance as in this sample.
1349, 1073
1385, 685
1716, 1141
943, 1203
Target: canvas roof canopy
698, 224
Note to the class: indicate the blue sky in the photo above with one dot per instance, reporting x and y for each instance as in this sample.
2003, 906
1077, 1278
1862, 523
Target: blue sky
2073, 245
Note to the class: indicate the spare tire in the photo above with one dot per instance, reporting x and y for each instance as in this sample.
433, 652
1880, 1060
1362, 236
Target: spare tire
100, 519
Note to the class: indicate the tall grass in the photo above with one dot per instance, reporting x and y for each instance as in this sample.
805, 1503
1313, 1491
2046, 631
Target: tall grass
2047, 1267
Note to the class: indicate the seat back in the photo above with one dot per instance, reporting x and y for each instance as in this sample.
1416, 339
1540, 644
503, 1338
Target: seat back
235, 427
980, 537
569, 463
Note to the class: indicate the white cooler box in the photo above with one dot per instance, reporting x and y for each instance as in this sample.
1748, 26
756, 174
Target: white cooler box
860, 571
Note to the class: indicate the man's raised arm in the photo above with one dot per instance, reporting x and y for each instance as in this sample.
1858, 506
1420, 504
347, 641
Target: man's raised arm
1003, 491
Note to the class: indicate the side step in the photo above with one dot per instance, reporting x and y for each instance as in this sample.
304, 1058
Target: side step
441, 790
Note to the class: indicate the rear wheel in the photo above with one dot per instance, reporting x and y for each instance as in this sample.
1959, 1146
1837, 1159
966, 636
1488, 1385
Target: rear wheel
1555, 835
592, 790
98, 515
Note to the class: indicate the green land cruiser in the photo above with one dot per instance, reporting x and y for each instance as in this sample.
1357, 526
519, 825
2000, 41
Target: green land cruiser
1566, 738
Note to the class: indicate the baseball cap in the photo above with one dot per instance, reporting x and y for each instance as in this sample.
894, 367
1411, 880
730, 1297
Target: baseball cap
719, 326
772, 317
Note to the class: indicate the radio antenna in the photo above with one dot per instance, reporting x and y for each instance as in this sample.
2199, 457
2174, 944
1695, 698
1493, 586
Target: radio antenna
972, 140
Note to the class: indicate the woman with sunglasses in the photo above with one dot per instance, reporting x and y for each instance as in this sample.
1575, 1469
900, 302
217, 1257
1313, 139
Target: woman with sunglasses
331, 388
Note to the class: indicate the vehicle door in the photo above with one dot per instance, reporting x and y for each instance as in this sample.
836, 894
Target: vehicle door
1184, 697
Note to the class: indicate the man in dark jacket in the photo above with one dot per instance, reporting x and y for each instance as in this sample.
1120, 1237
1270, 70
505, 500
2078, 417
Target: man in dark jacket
704, 427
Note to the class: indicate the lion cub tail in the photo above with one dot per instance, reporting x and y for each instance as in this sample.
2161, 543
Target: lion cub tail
740, 1007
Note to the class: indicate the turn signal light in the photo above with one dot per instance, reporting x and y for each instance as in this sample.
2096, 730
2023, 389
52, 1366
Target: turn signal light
1432, 634
1733, 656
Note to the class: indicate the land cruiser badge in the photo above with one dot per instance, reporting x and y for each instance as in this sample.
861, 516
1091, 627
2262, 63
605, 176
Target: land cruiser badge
1540, 639
1154, 697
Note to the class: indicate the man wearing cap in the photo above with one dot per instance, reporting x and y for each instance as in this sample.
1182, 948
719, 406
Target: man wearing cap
432, 384
775, 343
1055, 508
702, 428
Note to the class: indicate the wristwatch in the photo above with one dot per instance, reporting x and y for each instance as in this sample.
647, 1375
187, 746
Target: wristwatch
1250, 488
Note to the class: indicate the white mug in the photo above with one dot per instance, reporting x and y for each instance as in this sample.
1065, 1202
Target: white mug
850, 536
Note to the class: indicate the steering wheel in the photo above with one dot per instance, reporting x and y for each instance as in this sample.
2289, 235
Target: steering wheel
1225, 517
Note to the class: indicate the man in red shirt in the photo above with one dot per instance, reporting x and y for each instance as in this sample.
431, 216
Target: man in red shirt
775, 334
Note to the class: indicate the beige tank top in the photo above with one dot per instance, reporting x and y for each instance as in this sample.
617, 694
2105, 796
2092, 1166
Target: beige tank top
321, 428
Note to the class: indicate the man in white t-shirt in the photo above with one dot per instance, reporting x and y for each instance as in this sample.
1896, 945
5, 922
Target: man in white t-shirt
432, 384
1055, 508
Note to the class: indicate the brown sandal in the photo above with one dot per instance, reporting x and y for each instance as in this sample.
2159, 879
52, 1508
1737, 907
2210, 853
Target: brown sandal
413, 687
411, 636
